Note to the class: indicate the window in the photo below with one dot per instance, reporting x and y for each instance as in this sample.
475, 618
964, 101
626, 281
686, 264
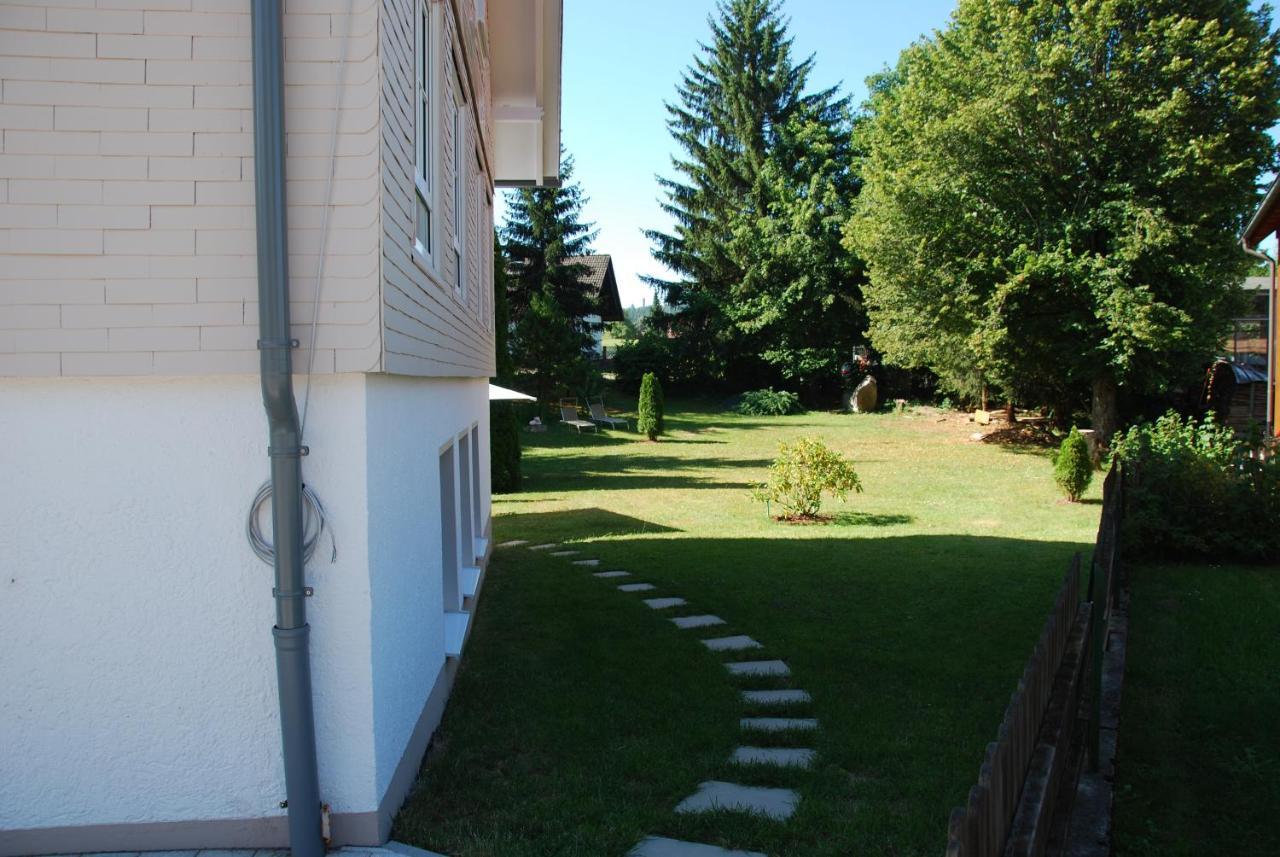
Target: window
449, 532
423, 174
459, 191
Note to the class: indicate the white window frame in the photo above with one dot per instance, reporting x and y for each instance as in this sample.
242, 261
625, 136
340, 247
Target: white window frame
460, 193
426, 112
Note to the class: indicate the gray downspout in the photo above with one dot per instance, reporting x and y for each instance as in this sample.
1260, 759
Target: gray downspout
1271, 332
293, 661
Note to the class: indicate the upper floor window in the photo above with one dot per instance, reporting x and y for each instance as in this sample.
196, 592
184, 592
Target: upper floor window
424, 104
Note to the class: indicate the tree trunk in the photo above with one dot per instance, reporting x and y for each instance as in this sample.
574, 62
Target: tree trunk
1010, 413
1106, 416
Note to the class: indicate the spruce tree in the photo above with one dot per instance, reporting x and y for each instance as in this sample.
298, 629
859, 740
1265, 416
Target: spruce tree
547, 298
753, 139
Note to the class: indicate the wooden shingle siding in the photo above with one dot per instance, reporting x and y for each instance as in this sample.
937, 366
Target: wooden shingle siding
428, 328
126, 187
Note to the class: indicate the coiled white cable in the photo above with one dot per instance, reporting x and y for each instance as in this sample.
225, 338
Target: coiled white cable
314, 524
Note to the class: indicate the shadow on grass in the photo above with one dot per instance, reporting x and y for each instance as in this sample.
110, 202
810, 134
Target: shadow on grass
584, 472
869, 519
582, 710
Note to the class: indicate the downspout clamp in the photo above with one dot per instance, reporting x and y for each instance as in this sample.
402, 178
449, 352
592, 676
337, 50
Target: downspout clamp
291, 632
1271, 331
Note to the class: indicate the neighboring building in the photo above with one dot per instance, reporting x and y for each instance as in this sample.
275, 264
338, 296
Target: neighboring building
1250, 331
1265, 224
140, 702
603, 286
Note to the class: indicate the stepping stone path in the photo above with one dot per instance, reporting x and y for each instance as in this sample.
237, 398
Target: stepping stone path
713, 795
658, 846
514, 543
778, 804
731, 644
758, 668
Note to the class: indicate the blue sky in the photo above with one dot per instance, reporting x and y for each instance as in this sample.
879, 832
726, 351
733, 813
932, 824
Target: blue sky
622, 60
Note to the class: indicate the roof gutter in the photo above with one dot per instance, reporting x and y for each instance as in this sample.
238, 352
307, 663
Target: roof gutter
291, 632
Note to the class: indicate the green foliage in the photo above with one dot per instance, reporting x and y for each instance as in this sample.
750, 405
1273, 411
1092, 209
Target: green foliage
1072, 469
660, 399
504, 427
763, 283
769, 403
1194, 492
649, 420
1053, 190
547, 298
802, 473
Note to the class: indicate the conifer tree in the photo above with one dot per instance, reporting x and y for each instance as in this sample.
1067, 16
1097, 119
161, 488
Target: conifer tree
546, 295
756, 196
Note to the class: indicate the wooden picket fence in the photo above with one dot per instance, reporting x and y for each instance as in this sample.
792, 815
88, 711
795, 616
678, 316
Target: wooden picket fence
1027, 777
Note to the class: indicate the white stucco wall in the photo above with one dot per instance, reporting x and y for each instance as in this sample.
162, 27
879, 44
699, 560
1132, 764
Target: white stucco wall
135, 623
412, 419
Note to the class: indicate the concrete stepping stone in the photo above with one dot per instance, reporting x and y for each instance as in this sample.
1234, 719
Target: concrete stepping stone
513, 543
664, 603
697, 621
731, 644
776, 697
660, 846
586, 562
547, 546
785, 757
778, 724
608, 574
565, 553
636, 587
758, 668
713, 794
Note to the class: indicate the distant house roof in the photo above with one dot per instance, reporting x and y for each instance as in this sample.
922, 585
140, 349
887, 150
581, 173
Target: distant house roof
1266, 219
599, 278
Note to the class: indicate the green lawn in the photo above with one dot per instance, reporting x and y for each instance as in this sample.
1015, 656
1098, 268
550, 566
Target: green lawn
1199, 756
580, 717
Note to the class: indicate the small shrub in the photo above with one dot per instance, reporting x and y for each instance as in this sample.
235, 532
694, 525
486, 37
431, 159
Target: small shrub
802, 473
1072, 469
1193, 491
649, 421
769, 403
504, 448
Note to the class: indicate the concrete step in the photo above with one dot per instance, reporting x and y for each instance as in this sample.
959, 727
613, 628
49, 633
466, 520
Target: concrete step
636, 587
565, 553
608, 574
778, 724
785, 757
513, 543
547, 546
697, 621
712, 795
731, 644
660, 846
776, 697
758, 668
589, 562
664, 603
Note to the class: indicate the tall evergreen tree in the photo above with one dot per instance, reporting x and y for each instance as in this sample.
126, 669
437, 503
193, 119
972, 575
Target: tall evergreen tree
764, 163
546, 296
1054, 189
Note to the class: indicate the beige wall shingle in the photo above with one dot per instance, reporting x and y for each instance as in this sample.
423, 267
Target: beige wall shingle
127, 191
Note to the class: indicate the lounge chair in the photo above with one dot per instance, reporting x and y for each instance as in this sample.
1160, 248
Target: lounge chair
599, 415
569, 416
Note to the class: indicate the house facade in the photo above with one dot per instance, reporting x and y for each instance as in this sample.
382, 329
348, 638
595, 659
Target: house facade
141, 708
599, 281
1264, 225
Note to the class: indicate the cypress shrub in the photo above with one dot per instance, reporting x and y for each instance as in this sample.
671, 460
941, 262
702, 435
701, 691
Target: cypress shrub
504, 447
1072, 469
649, 421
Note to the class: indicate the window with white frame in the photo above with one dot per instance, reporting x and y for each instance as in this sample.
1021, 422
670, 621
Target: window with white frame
459, 190
423, 171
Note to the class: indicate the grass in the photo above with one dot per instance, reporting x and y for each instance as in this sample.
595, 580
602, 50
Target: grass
580, 717
1199, 764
